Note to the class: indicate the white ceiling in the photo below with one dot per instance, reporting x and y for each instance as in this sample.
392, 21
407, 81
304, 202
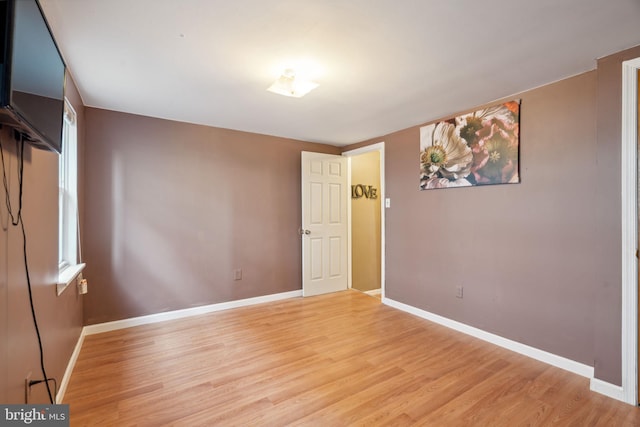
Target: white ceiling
382, 65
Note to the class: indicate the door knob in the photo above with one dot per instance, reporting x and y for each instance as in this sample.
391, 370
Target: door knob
303, 231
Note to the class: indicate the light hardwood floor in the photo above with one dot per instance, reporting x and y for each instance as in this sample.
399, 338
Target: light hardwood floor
332, 360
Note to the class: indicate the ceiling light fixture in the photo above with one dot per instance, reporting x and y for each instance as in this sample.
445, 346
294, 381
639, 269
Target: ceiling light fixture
289, 85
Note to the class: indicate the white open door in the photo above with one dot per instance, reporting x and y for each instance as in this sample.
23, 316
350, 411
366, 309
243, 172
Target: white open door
324, 223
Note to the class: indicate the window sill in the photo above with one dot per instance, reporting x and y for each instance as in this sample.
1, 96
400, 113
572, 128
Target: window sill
68, 275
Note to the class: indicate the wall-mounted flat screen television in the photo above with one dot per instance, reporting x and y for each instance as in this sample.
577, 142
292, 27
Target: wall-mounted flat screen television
32, 75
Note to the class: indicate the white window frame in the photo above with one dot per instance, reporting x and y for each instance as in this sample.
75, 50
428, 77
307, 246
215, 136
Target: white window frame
69, 265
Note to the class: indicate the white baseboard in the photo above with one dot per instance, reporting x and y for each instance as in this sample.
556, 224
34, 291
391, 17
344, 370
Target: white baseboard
72, 363
608, 389
187, 312
374, 292
541, 355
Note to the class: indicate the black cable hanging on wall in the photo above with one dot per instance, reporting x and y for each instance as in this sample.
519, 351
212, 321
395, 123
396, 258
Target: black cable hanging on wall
15, 221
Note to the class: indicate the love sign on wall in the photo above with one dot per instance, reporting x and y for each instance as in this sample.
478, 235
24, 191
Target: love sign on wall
367, 191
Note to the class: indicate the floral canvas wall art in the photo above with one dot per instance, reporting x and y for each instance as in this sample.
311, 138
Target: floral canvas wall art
479, 148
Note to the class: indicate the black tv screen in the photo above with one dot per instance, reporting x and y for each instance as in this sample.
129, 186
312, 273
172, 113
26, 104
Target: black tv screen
32, 93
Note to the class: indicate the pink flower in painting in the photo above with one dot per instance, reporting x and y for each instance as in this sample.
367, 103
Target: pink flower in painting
495, 153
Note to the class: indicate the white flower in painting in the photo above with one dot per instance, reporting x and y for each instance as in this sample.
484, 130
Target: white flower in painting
443, 154
435, 182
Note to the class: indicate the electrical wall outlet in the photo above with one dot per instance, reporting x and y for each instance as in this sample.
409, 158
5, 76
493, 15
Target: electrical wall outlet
237, 274
82, 285
459, 291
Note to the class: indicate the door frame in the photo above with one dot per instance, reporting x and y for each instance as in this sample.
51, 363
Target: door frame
629, 190
356, 152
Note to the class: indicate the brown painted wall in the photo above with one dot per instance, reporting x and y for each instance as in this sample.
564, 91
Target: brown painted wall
539, 261
174, 208
365, 224
59, 318
525, 253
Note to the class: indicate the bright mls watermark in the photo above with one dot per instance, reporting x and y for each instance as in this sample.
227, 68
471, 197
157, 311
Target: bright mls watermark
34, 415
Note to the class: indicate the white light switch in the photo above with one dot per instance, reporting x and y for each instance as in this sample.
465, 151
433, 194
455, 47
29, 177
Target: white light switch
387, 202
